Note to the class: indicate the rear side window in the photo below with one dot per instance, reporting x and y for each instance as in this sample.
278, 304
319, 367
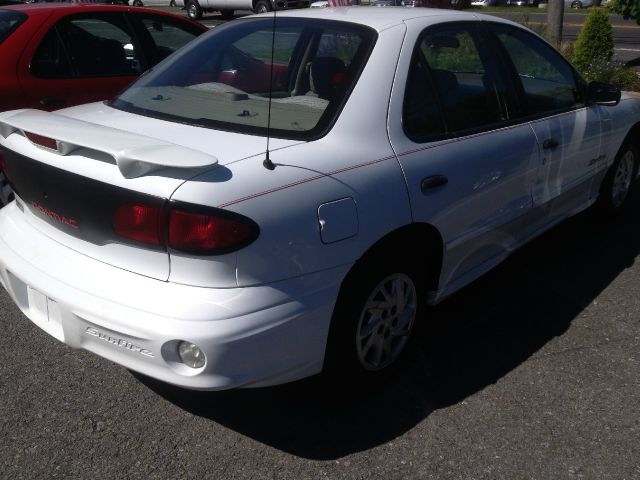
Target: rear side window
421, 117
88, 46
548, 82
467, 83
9, 22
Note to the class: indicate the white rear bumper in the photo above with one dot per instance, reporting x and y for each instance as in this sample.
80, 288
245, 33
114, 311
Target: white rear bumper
251, 336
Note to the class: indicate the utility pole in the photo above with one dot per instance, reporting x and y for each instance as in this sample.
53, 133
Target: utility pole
555, 14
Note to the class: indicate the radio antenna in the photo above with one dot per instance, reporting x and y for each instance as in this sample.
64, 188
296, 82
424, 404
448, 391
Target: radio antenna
268, 164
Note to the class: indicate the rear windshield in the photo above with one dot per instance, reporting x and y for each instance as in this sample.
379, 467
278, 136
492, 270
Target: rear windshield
226, 78
9, 21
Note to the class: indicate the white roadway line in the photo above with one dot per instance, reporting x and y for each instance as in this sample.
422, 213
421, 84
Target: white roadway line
628, 49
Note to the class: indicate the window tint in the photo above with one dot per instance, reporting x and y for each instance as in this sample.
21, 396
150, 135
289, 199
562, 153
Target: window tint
548, 82
421, 116
9, 22
87, 46
167, 36
51, 60
231, 79
464, 79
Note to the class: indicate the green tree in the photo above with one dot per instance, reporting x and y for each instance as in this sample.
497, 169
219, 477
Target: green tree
626, 8
594, 46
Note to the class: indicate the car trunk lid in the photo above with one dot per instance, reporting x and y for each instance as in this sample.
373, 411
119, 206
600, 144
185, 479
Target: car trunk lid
71, 176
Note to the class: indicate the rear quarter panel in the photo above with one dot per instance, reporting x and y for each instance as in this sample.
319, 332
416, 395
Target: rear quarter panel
354, 161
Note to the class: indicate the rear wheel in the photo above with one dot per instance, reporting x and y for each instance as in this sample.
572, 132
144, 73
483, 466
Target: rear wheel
194, 10
618, 182
138, 3
577, 4
262, 6
374, 318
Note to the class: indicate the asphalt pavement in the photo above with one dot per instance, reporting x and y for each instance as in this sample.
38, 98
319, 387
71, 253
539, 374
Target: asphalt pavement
532, 372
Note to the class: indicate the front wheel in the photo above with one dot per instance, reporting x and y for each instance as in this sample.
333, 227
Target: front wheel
618, 182
194, 10
373, 319
262, 6
137, 3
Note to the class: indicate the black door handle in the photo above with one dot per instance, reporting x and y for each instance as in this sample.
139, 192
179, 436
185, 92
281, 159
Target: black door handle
550, 143
433, 181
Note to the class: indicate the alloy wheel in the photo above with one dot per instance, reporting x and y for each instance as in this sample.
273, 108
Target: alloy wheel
622, 179
386, 321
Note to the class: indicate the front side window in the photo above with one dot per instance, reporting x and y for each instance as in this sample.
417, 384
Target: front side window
234, 80
467, 83
548, 82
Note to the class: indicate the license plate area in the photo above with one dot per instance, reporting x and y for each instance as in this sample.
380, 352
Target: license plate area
42, 311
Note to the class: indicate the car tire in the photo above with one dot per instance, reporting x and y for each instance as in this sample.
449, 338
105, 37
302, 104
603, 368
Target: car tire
577, 5
262, 6
137, 3
619, 181
373, 319
226, 14
194, 10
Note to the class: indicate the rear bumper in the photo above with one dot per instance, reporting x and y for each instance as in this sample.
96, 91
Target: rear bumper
252, 336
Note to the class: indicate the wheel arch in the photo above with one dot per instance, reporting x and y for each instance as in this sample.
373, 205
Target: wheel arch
421, 240
632, 137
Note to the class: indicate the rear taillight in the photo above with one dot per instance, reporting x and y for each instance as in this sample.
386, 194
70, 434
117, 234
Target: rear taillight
139, 222
201, 231
212, 231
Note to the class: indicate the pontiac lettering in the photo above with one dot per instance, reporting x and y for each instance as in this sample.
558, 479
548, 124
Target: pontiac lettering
71, 222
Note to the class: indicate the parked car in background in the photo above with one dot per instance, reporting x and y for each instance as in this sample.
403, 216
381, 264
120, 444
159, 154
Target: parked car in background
578, 3
522, 3
389, 3
59, 55
245, 217
55, 55
195, 8
488, 3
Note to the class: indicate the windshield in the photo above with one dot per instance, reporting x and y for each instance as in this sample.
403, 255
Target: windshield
9, 21
225, 79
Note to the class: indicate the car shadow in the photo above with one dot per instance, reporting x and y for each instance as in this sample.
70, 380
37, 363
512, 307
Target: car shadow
470, 341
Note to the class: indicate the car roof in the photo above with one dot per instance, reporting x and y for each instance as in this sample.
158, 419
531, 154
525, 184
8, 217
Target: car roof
383, 18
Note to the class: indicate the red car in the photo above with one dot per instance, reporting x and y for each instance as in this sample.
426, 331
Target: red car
58, 55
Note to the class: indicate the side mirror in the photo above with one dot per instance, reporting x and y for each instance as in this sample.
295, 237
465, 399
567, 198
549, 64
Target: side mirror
599, 93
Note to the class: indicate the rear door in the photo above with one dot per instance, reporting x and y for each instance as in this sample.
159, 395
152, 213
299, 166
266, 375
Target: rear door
469, 171
80, 58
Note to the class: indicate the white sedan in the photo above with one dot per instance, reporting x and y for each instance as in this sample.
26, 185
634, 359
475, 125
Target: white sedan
246, 217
